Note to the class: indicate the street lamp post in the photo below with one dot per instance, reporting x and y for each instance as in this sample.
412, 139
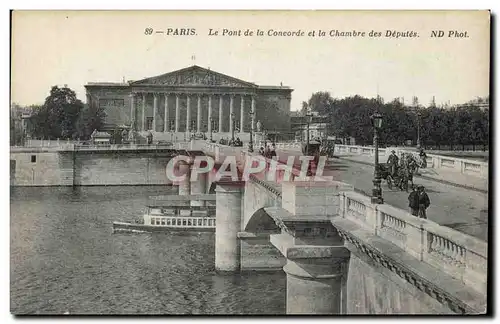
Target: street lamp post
250, 145
418, 129
308, 120
376, 119
232, 128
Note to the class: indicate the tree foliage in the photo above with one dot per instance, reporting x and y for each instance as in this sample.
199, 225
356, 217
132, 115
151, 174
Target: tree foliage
64, 116
456, 126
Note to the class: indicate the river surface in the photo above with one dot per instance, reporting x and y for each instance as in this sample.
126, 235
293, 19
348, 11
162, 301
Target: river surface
64, 258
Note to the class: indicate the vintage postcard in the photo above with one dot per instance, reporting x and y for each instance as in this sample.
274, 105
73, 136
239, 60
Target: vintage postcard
249, 162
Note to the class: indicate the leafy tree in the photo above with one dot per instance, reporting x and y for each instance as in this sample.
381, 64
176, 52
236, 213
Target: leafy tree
463, 125
57, 117
320, 102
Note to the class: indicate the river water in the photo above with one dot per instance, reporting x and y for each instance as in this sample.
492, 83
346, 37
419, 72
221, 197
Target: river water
64, 258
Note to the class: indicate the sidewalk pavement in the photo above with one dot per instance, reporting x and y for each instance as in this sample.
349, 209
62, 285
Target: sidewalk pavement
447, 177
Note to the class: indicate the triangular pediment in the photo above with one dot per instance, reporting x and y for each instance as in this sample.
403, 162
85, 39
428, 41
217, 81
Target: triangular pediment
195, 76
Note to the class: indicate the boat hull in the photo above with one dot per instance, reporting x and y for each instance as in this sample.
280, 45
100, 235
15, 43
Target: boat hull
142, 228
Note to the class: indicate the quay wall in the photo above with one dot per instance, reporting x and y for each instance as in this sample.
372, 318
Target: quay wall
73, 168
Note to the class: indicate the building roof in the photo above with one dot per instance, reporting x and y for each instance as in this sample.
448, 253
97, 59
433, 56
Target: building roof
194, 75
107, 84
190, 76
267, 87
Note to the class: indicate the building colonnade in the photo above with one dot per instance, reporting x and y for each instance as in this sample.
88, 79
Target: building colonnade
141, 125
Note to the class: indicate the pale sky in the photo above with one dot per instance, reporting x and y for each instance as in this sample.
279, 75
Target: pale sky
73, 48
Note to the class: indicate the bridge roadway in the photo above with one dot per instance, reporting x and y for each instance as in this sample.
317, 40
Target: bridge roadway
458, 208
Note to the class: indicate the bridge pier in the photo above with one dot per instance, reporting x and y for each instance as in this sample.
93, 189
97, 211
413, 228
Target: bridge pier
317, 286
185, 185
228, 224
199, 187
317, 261
316, 268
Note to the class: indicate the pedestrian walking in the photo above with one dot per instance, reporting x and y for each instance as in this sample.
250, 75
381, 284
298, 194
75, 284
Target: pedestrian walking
392, 162
423, 202
413, 202
423, 159
272, 151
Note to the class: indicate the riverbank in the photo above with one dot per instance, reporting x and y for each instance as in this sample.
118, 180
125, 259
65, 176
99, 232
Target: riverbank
35, 168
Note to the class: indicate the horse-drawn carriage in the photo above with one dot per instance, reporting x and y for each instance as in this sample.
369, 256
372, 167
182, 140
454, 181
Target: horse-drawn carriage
328, 146
312, 149
400, 178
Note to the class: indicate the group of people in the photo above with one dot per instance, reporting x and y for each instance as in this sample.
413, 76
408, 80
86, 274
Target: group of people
419, 201
269, 150
231, 142
404, 167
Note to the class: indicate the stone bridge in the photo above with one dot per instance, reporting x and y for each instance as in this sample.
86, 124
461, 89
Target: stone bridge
341, 253
345, 255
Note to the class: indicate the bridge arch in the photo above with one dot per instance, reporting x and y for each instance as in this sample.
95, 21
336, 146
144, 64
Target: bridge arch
257, 197
261, 222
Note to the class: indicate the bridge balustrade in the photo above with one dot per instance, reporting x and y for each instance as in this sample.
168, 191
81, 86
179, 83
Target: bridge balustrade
457, 254
463, 166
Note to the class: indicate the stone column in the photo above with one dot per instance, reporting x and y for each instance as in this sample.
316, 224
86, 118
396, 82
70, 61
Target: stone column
132, 111
177, 113
209, 115
143, 111
185, 185
253, 111
188, 113
220, 113
166, 124
242, 113
317, 260
198, 117
199, 187
155, 110
231, 112
228, 224
317, 286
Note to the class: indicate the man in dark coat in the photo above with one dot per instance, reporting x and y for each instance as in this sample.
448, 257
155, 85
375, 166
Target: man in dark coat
423, 159
413, 202
392, 162
423, 202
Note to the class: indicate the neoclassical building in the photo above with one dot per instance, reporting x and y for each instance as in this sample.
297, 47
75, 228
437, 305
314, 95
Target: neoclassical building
192, 99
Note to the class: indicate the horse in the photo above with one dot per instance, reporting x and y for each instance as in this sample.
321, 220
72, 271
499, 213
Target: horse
412, 167
400, 178
403, 176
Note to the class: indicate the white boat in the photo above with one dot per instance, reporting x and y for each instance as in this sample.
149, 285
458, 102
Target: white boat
172, 218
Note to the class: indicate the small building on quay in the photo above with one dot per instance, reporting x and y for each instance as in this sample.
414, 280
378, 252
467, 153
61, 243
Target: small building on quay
317, 126
190, 101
